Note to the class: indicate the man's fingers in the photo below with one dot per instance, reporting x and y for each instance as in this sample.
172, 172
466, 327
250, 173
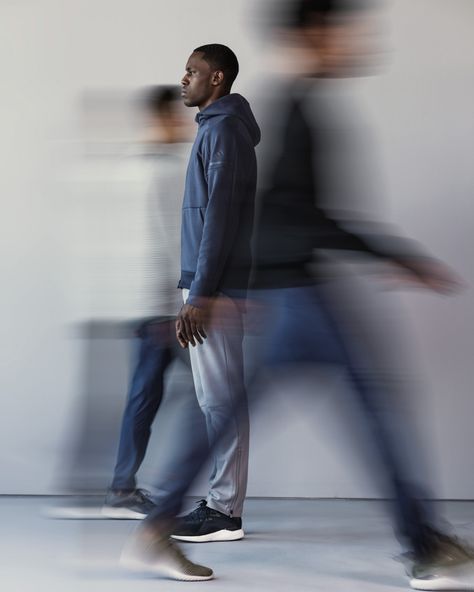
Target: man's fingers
179, 336
200, 322
187, 331
182, 342
195, 331
189, 325
202, 333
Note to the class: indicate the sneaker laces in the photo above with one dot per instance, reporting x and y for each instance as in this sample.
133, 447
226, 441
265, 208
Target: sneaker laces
200, 512
142, 495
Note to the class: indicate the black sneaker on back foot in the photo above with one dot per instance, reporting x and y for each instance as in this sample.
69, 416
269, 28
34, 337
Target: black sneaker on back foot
127, 505
205, 525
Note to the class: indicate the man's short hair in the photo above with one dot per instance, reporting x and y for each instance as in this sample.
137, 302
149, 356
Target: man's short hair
221, 58
157, 100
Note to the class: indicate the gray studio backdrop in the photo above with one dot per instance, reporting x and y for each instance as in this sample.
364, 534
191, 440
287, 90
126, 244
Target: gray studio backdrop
420, 111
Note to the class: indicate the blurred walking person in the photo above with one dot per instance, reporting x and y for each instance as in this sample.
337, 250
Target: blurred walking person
166, 147
307, 167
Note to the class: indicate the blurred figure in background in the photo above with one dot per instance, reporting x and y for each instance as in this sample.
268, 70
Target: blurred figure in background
166, 147
306, 177
129, 201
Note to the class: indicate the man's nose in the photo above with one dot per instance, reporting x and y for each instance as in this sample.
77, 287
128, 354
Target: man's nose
184, 80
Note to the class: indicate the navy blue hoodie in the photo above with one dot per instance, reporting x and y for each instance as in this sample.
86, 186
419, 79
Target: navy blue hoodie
219, 200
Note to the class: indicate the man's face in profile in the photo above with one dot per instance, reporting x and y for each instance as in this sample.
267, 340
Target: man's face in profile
196, 84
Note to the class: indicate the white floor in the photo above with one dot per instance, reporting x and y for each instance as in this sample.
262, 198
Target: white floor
291, 545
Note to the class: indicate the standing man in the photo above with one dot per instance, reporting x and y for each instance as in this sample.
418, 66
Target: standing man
217, 221
218, 200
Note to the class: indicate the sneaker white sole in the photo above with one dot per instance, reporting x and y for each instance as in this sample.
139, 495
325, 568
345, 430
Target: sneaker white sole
121, 513
220, 535
160, 570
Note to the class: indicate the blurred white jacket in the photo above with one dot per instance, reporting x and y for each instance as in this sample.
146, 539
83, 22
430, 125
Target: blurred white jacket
128, 231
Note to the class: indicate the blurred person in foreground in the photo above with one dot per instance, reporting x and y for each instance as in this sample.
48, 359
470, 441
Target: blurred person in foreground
166, 146
304, 171
218, 208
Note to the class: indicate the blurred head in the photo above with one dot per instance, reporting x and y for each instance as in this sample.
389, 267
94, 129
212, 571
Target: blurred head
333, 38
210, 73
167, 120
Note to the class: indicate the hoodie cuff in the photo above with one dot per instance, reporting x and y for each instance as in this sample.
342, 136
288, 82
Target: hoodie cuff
199, 292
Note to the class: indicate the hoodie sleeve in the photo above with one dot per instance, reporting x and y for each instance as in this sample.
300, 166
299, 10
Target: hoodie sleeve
223, 155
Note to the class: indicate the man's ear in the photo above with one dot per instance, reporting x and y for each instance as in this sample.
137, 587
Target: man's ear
217, 78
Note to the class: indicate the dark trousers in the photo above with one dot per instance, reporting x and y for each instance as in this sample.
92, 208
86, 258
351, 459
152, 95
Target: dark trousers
305, 331
157, 348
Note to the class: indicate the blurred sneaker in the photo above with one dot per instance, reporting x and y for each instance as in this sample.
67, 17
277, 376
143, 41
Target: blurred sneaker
205, 525
158, 555
127, 505
449, 567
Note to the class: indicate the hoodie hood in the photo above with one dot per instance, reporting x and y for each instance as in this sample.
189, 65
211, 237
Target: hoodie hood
236, 106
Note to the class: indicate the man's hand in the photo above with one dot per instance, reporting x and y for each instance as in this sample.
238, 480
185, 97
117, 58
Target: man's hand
190, 325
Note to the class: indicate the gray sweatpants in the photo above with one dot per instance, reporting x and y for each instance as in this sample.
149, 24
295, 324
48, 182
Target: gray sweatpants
218, 374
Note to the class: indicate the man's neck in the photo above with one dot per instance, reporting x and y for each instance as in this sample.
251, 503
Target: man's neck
212, 100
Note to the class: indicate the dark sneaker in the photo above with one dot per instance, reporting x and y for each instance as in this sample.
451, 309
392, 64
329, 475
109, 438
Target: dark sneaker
205, 525
127, 505
449, 567
158, 555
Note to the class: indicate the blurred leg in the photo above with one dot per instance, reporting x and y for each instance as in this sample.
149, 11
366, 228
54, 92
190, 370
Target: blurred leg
144, 398
304, 331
